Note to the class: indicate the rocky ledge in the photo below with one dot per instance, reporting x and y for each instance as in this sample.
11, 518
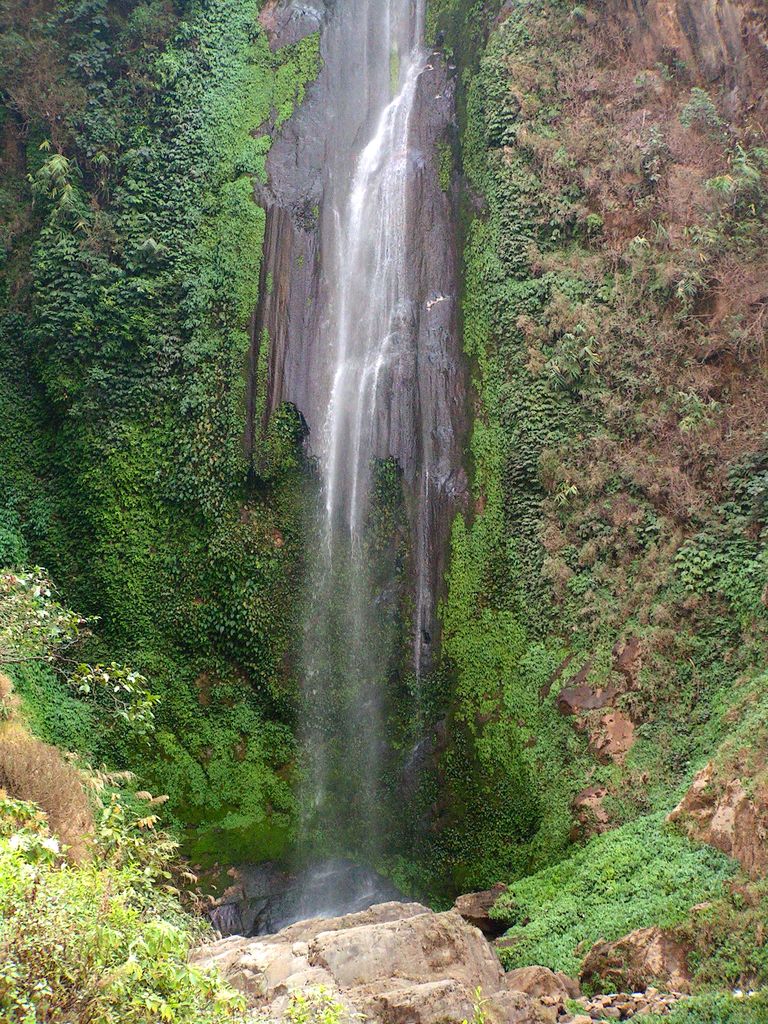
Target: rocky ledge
400, 963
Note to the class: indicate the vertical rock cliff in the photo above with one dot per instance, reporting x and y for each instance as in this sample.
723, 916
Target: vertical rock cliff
419, 408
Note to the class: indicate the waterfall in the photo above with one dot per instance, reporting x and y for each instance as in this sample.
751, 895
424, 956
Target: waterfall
374, 303
370, 328
361, 317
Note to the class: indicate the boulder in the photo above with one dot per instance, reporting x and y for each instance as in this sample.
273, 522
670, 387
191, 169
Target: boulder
475, 908
540, 981
645, 957
397, 963
719, 811
420, 948
613, 737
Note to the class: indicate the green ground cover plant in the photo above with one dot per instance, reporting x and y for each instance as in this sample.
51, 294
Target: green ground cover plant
639, 875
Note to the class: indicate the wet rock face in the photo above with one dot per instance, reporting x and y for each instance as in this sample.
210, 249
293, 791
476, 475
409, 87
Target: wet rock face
287, 22
420, 419
396, 962
263, 899
719, 811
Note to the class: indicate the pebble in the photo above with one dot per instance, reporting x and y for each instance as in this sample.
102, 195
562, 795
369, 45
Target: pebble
618, 1006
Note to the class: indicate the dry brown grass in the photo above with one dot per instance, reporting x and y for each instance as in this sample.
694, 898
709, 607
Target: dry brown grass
35, 771
6, 696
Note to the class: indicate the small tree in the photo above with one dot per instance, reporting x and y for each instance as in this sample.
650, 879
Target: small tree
35, 626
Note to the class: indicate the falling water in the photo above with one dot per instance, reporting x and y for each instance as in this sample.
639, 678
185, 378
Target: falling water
370, 329
362, 324
372, 313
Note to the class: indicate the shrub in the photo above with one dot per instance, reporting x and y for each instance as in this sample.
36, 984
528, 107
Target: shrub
92, 942
33, 625
717, 1008
317, 1006
700, 112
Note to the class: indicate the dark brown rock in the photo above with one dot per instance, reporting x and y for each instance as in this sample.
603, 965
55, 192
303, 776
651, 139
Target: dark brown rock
574, 699
721, 42
627, 660
475, 908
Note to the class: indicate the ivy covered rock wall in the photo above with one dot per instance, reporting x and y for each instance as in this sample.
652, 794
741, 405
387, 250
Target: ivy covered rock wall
133, 133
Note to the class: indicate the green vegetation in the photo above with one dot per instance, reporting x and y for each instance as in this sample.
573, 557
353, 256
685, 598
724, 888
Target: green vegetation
717, 1008
102, 940
131, 246
638, 875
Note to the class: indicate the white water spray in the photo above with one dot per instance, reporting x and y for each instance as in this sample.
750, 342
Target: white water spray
373, 308
370, 333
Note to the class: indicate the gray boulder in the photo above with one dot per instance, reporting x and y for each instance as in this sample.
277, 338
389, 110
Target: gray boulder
398, 963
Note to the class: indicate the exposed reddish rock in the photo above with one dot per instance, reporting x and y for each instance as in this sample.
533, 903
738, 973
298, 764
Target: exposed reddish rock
583, 698
613, 737
591, 818
645, 957
627, 660
720, 812
475, 908
723, 40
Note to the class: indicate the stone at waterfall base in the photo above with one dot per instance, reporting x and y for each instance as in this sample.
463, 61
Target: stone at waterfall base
475, 908
641, 959
398, 963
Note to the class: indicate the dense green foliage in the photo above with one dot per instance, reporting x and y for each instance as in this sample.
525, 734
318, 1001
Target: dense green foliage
100, 941
631, 877
132, 246
717, 1008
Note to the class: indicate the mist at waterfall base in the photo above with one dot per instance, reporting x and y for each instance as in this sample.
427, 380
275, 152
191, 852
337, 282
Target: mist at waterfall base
363, 342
